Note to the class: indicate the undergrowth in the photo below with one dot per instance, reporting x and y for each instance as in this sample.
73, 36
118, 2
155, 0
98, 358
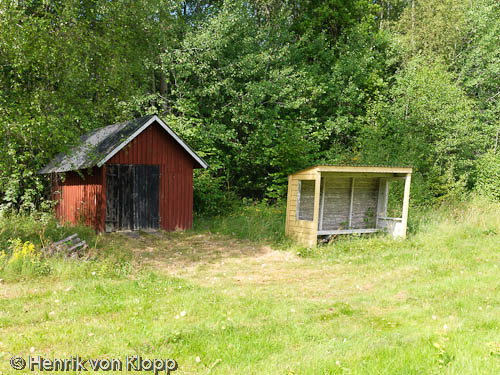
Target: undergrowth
40, 229
257, 222
435, 231
23, 237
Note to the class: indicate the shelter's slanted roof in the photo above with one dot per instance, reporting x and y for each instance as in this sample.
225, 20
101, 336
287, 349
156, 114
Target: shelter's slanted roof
358, 168
98, 146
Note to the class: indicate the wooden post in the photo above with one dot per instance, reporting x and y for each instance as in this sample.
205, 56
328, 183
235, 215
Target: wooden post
288, 205
317, 191
406, 203
350, 204
383, 195
297, 200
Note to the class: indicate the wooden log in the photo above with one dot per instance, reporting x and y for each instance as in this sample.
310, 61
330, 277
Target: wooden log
65, 240
79, 244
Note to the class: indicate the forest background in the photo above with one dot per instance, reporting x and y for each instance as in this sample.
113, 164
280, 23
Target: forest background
259, 88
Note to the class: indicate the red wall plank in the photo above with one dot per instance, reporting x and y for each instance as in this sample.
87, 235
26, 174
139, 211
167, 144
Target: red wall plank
81, 198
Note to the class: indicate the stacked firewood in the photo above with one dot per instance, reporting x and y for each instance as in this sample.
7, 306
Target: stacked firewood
71, 247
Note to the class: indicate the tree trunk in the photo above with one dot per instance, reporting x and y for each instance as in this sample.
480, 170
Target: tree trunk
163, 92
153, 85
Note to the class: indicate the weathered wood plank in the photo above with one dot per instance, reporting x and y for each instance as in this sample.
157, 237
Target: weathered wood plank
348, 231
362, 169
365, 203
321, 204
351, 202
302, 224
382, 199
336, 203
406, 203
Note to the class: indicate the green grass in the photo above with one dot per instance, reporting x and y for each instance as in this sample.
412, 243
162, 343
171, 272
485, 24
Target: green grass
39, 229
258, 222
368, 305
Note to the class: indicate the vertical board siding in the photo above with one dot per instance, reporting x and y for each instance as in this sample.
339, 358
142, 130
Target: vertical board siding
365, 203
155, 147
337, 201
80, 198
133, 196
304, 231
337, 196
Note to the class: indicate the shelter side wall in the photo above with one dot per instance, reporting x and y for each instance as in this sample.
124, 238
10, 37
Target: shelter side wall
79, 198
155, 147
304, 231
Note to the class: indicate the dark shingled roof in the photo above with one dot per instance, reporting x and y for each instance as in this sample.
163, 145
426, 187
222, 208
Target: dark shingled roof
95, 146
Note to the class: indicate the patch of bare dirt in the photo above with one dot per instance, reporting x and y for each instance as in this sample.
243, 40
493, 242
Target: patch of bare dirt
182, 250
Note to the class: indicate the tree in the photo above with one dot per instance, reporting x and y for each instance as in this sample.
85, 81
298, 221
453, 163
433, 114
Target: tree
428, 122
479, 65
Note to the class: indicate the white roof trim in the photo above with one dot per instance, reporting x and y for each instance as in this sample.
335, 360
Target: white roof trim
144, 127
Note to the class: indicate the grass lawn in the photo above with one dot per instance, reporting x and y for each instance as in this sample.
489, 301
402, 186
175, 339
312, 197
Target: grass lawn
220, 305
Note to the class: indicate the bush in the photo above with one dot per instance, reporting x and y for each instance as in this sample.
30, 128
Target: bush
488, 176
210, 196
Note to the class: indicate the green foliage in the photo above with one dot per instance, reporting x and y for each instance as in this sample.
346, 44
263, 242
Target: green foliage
488, 175
64, 69
433, 28
22, 238
239, 97
479, 64
427, 122
260, 89
211, 195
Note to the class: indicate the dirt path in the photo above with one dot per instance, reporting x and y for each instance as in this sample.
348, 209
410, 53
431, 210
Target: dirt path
240, 266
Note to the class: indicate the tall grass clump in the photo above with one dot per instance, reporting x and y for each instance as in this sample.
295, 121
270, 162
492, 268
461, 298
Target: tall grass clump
23, 237
450, 230
39, 228
255, 221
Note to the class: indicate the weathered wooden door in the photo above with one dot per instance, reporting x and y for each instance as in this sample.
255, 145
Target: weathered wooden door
132, 197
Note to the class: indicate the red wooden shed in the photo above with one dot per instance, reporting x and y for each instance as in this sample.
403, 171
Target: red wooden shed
132, 175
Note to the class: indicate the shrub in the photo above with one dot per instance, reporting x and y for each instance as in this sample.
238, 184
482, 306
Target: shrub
488, 176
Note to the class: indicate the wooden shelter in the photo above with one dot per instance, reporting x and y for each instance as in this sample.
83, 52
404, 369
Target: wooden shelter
327, 200
133, 175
